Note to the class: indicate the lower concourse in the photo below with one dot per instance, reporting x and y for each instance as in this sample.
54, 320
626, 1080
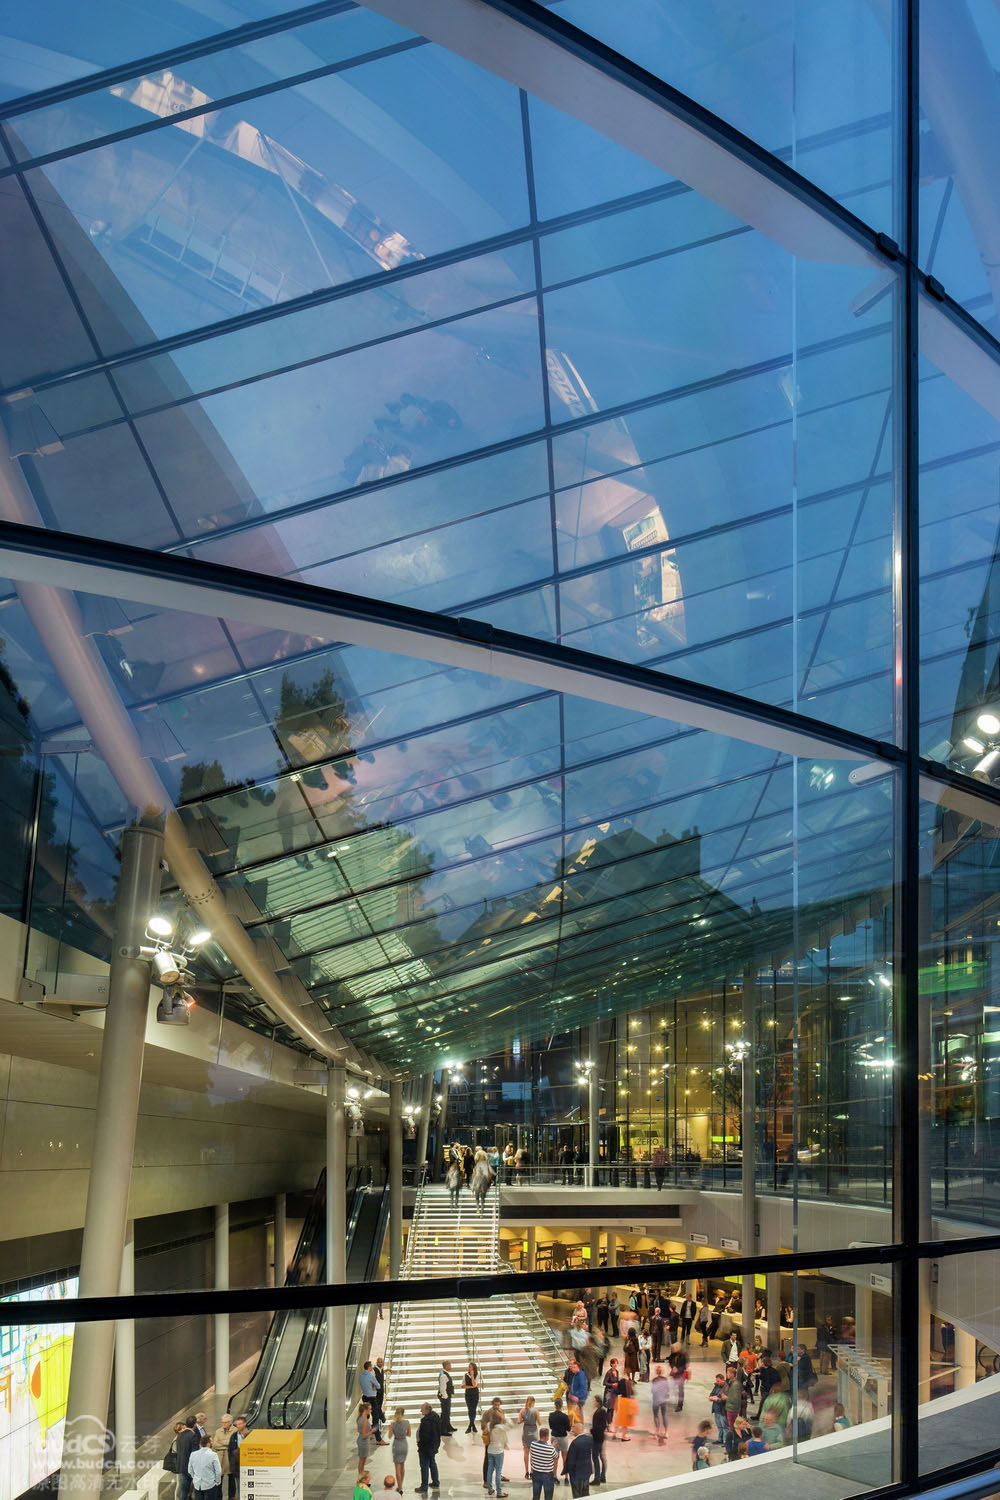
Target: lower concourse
499, 648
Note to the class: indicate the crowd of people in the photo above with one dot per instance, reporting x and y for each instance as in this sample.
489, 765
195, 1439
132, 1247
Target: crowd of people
758, 1402
202, 1460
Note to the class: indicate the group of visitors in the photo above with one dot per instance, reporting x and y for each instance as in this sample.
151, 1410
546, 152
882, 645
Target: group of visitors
202, 1460
470, 1169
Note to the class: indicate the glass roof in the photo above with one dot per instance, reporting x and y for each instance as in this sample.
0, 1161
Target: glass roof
430, 849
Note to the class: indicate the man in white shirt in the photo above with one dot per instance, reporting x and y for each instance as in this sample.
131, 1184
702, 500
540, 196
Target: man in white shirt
205, 1471
446, 1389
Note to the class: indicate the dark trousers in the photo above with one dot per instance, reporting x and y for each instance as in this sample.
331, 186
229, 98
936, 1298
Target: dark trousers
233, 1487
600, 1464
472, 1403
446, 1426
540, 1482
428, 1469
215, 1493
579, 1486
686, 1329
184, 1486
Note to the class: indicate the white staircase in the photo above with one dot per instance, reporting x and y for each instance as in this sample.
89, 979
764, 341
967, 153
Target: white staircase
508, 1338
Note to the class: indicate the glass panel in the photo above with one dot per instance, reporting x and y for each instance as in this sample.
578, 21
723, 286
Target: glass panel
844, 1358
958, 1383
112, 35
960, 631
959, 986
960, 50
816, 88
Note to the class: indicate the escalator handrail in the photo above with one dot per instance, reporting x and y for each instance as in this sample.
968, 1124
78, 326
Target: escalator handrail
311, 1375
310, 1331
276, 1328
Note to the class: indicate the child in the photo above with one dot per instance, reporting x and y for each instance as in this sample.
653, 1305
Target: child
756, 1444
840, 1418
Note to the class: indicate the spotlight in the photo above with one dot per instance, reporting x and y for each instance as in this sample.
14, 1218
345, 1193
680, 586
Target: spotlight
200, 936
160, 926
174, 1009
988, 723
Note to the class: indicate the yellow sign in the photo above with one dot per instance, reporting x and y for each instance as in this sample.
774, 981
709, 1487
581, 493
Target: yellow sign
271, 1448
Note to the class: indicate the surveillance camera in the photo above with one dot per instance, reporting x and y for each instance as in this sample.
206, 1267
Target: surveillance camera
174, 1009
167, 966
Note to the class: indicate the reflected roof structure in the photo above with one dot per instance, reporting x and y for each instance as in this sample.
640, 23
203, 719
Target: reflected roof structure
367, 313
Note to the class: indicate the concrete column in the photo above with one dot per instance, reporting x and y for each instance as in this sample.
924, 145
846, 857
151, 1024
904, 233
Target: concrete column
965, 1359
530, 1253
595, 1248
111, 1160
280, 1236
612, 1243
863, 1319
395, 1177
442, 1124
125, 1368
748, 1133
423, 1125
772, 1296
336, 1262
593, 1107
222, 1285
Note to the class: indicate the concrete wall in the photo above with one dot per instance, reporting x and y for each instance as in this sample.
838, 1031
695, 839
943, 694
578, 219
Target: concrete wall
193, 1148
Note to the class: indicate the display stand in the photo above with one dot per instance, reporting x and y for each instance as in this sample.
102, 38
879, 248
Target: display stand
271, 1464
864, 1383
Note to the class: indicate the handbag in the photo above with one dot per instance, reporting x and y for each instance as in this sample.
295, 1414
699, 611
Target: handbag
559, 1391
171, 1462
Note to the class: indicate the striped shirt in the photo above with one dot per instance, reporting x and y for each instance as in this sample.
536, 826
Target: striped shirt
543, 1457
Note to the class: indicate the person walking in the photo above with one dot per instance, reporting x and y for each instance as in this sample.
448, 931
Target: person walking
365, 1431
631, 1353
767, 1378
542, 1460
598, 1433
446, 1390
679, 1374
470, 1381
580, 1460
704, 1321
428, 1443
454, 1181
481, 1178
528, 1418
400, 1432
660, 1391
205, 1470
659, 1166
495, 1449
612, 1376
560, 1427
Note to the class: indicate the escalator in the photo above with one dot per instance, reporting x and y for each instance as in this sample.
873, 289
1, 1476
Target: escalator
300, 1402
286, 1330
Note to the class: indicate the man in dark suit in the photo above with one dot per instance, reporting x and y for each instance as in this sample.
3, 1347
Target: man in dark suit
187, 1441
428, 1443
688, 1311
235, 1443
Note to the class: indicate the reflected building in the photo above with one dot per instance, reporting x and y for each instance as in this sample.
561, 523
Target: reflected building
518, 503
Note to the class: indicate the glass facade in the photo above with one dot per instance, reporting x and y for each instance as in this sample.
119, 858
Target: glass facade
521, 503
